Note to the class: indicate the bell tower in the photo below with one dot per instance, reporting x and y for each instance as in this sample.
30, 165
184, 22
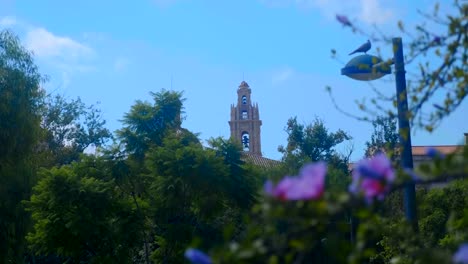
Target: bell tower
245, 121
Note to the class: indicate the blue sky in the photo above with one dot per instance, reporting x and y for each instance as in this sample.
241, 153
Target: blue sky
116, 52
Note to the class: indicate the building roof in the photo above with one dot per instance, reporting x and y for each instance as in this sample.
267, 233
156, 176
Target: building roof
259, 160
422, 151
447, 149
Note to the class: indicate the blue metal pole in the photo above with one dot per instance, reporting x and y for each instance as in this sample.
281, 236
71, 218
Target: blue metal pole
404, 130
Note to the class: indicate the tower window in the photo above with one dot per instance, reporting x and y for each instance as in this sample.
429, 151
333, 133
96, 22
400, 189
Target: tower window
244, 115
244, 99
245, 141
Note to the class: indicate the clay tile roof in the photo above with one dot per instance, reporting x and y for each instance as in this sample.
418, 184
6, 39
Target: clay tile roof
259, 160
421, 150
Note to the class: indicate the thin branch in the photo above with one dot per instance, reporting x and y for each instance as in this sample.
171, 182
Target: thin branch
433, 18
343, 111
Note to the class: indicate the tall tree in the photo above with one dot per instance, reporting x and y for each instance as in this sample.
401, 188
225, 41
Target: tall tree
69, 128
196, 192
20, 101
384, 138
192, 191
146, 124
311, 143
80, 217
243, 182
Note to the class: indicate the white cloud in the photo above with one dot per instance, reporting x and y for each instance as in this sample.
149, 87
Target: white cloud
373, 12
367, 11
7, 21
64, 54
282, 76
45, 44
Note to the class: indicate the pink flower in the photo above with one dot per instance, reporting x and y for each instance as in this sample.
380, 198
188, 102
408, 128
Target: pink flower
343, 20
372, 177
372, 188
461, 256
308, 185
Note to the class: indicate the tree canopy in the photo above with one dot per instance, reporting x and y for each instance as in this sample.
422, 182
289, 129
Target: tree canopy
20, 102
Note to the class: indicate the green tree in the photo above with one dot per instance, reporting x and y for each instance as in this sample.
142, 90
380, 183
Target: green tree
81, 217
146, 124
196, 193
69, 128
244, 178
20, 102
443, 215
384, 138
312, 143
193, 191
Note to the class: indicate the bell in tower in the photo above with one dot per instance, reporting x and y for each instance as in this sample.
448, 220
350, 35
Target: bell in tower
245, 121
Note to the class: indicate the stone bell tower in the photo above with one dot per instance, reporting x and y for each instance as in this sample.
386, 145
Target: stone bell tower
245, 121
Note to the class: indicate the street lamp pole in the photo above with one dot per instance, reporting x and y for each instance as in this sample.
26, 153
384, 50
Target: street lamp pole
367, 68
404, 130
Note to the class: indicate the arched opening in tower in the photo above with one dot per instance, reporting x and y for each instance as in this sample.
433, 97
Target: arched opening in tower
245, 141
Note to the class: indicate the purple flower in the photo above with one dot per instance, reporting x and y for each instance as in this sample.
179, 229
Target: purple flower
269, 188
373, 188
372, 177
308, 185
343, 20
196, 256
461, 256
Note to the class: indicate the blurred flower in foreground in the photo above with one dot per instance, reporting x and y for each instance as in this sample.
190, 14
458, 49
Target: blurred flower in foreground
196, 256
308, 185
461, 256
343, 20
434, 153
373, 177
